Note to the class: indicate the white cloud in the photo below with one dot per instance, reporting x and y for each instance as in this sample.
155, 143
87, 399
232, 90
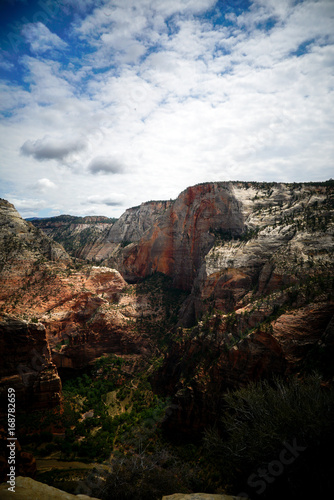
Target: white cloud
43, 185
41, 39
178, 98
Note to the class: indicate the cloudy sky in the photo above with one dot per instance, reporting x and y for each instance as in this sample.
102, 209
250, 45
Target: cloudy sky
109, 103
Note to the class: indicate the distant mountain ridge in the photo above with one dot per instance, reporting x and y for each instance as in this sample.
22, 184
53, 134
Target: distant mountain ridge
74, 232
75, 219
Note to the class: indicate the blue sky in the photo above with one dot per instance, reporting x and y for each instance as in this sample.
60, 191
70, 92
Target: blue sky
106, 104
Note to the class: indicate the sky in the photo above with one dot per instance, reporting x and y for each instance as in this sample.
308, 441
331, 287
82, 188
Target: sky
106, 104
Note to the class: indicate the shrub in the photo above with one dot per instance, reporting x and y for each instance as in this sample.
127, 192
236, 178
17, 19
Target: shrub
259, 420
146, 477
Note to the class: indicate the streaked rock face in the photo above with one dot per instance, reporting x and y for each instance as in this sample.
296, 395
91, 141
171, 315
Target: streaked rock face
220, 240
178, 240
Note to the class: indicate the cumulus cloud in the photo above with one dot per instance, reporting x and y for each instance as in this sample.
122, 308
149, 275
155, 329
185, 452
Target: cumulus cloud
52, 148
43, 185
106, 165
28, 207
41, 39
241, 92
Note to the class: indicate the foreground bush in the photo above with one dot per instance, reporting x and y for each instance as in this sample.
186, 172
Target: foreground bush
145, 476
276, 440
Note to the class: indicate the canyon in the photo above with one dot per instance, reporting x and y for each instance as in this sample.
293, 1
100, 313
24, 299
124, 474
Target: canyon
251, 250
230, 283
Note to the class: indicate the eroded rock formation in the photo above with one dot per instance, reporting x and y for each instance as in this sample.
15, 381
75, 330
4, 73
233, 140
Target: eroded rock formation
27, 366
257, 259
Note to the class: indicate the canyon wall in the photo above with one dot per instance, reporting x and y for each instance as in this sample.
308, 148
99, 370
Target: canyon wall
179, 239
256, 258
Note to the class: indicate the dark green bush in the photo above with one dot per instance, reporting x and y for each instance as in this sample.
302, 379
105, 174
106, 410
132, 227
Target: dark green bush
260, 422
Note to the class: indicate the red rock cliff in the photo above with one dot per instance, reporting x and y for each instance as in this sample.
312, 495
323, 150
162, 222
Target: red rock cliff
179, 239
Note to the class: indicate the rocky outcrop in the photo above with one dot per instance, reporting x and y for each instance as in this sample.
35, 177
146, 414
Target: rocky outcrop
26, 488
137, 220
258, 231
99, 238
127, 229
70, 314
97, 317
85, 313
179, 239
27, 366
22, 247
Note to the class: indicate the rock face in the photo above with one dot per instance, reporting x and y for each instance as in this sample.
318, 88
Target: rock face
22, 247
261, 297
52, 311
94, 317
100, 238
27, 366
127, 229
78, 235
179, 239
26, 488
220, 240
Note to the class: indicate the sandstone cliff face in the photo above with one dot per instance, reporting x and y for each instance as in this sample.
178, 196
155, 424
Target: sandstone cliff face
127, 229
220, 240
96, 316
264, 295
27, 366
99, 238
179, 239
289, 234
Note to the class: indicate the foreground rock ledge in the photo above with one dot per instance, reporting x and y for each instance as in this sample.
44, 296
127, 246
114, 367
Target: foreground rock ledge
28, 489
199, 496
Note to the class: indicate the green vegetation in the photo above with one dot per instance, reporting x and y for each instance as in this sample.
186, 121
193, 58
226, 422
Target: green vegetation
223, 235
93, 426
